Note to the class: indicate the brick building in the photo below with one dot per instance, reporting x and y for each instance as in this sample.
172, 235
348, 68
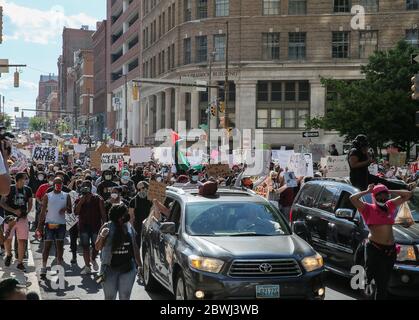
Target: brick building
47, 84
52, 104
100, 77
278, 50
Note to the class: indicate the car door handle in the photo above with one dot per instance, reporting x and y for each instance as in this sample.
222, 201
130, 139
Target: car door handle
309, 217
331, 225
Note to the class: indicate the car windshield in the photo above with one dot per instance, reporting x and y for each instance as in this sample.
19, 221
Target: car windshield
234, 219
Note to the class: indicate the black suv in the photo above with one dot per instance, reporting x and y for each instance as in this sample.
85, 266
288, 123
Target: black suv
235, 245
323, 215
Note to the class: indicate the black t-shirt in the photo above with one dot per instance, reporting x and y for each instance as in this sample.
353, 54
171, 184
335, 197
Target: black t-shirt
141, 208
358, 176
123, 255
18, 199
104, 189
137, 178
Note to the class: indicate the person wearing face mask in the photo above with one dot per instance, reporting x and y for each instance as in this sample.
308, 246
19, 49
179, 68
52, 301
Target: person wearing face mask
105, 187
52, 222
380, 217
120, 257
128, 183
94, 174
139, 208
17, 204
61, 175
114, 198
193, 178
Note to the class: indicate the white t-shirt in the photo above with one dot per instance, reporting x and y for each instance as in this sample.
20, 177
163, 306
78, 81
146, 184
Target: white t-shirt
3, 169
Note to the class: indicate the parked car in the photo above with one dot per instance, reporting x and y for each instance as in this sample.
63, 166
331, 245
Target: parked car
235, 245
323, 215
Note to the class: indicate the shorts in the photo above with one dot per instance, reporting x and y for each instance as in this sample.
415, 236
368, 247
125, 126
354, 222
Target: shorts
55, 234
21, 227
88, 238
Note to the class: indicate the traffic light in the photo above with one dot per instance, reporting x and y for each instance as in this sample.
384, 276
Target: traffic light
213, 110
415, 87
1, 24
16, 79
222, 107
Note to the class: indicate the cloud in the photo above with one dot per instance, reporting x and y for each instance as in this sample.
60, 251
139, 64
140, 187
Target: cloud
7, 83
41, 27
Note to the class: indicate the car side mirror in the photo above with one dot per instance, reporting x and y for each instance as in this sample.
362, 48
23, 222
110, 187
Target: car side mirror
345, 214
168, 228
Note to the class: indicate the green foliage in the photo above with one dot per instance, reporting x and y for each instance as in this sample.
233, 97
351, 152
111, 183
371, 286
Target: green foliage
6, 120
38, 124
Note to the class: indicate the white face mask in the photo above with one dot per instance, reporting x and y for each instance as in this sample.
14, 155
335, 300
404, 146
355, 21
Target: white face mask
114, 196
195, 178
41, 177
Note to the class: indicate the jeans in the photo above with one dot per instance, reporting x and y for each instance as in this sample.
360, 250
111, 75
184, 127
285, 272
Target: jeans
74, 234
379, 266
117, 282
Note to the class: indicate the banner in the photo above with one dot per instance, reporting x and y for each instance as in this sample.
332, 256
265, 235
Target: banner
140, 155
282, 157
80, 148
301, 164
110, 160
156, 190
45, 154
336, 167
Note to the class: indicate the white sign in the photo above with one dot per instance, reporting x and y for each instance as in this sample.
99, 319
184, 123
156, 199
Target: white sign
118, 143
317, 150
71, 220
163, 155
45, 154
282, 157
111, 160
140, 155
336, 167
373, 169
301, 164
80, 148
290, 179
259, 164
20, 162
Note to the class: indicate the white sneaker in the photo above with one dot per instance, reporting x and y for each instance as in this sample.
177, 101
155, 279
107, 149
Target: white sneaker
86, 270
95, 265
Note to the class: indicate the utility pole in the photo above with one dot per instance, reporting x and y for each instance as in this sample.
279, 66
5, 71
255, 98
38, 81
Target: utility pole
226, 85
126, 109
209, 106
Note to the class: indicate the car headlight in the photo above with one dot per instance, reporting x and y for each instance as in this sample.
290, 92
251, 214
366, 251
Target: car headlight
205, 264
407, 253
312, 263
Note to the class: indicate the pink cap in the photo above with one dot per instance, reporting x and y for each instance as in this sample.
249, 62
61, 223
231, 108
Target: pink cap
379, 188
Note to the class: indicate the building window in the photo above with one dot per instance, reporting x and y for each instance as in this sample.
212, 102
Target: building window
163, 22
201, 49
297, 6
169, 17
222, 8
297, 45
282, 111
412, 37
342, 6
173, 15
187, 47
160, 30
202, 9
340, 44
412, 4
162, 61
368, 43
219, 47
187, 7
271, 7
172, 57
270, 49
370, 5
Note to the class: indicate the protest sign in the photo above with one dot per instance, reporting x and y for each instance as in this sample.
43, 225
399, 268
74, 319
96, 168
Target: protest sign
163, 155
140, 155
336, 166
80, 148
373, 169
301, 164
317, 150
218, 170
45, 154
157, 190
71, 220
282, 157
290, 179
20, 162
111, 159
398, 159
258, 162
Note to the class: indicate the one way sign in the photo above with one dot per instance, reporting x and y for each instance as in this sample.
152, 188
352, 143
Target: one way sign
415, 58
313, 134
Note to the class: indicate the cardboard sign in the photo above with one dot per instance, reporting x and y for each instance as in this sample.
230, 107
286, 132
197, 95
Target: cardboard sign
80, 148
71, 220
398, 159
45, 154
290, 179
301, 164
282, 157
157, 190
336, 167
110, 160
140, 155
218, 170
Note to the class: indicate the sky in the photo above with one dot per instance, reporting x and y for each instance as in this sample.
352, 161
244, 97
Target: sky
32, 35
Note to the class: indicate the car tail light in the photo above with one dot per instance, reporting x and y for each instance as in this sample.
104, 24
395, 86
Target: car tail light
290, 215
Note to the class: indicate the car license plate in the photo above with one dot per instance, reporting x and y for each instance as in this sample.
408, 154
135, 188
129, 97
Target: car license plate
267, 291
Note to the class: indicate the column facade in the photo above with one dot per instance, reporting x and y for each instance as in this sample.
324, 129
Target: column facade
168, 107
317, 99
194, 109
159, 108
246, 104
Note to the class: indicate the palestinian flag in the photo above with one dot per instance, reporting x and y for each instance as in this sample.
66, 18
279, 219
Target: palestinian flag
181, 162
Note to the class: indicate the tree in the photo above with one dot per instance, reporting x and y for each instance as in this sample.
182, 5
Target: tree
380, 105
38, 123
62, 127
5, 120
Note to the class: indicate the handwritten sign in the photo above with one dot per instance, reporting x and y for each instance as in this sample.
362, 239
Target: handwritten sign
318, 151
301, 164
71, 220
157, 190
218, 170
45, 154
336, 167
140, 155
282, 157
111, 160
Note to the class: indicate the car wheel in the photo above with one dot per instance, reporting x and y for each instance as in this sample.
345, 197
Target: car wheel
180, 292
150, 283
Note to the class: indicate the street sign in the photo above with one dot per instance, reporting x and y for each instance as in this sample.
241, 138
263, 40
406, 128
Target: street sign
313, 134
4, 62
415, 58
201, 83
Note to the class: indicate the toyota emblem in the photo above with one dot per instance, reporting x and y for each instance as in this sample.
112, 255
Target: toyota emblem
265, 267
